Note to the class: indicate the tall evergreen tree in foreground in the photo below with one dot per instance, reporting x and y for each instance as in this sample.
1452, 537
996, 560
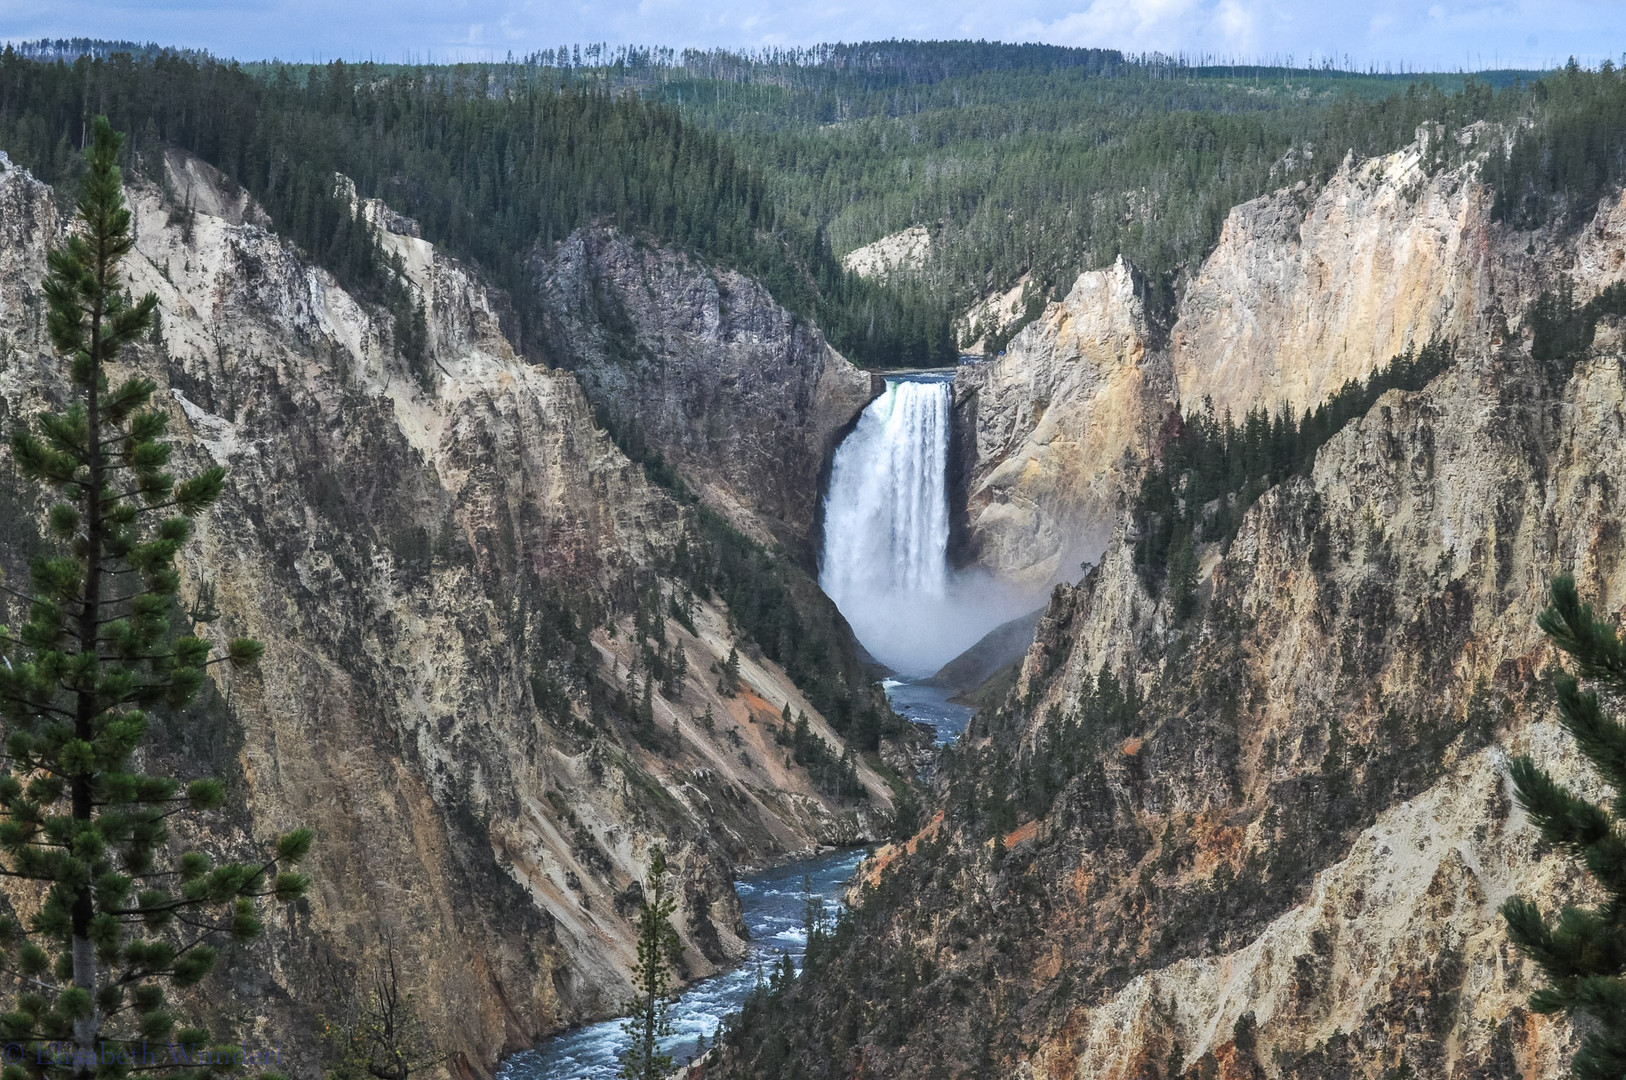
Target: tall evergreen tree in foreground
1583, 953
648, 1020
115, 916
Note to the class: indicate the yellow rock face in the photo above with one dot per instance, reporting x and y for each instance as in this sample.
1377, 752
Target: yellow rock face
1303, 294
1053, 418
1305, 291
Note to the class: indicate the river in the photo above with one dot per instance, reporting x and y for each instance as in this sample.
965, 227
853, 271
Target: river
919, 700
773, 904
884, 565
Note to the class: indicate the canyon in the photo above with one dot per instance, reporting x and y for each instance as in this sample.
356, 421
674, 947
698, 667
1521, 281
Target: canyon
1268, 838
503, 590
454, 573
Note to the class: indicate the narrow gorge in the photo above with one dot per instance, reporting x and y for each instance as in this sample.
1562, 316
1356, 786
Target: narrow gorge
1265, 834
690, 666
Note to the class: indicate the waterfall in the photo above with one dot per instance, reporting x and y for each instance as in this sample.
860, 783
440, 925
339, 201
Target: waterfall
886, 526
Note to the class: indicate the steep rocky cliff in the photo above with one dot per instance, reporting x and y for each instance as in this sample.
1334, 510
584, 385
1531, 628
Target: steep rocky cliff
699, 365
1268, 839
1306, 289
472, 605
1042, 431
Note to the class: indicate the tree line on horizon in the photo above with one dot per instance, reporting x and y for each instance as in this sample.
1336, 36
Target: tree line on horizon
1023, 161
475, 171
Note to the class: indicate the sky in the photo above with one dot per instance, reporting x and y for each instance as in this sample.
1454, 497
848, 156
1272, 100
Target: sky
1442, 35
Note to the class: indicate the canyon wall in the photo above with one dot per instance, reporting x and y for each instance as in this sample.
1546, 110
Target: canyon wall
742, 399
1043, 431
1307, 289
462, 586
1284, 856
1268, 838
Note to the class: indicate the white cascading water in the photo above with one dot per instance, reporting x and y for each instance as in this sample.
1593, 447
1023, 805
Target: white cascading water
886, 526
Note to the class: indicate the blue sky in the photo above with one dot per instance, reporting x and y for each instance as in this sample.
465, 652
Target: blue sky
1432, 35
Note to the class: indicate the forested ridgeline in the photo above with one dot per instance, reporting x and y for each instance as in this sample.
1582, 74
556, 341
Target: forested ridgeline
493, 174
1048, 173
1035, 166
1045, 162
1020, 159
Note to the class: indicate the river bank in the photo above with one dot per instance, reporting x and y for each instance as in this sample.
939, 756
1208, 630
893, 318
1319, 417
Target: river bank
774, 904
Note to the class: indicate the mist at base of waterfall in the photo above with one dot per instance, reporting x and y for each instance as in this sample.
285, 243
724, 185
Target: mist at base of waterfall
916, 635
886, 526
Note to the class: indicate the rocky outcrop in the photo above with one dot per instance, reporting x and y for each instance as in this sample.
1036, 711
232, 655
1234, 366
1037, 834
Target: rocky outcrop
1600, 251
700, 366
1049, 431
1368, 656
463, 589
906, 251
1310, 288
997, 650
991, 316
1306, 290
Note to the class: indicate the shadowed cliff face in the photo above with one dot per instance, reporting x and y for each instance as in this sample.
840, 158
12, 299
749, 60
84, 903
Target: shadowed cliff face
746, 402
462, 590
1270, 840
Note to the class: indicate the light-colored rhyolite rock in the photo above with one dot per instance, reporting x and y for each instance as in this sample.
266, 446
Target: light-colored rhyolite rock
1444, 513
1043, 430
991, 315
905, 250
1307, 289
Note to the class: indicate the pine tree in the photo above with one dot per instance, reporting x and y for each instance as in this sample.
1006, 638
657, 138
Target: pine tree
1583, 953
646, 704
813, 921
120, 917
679, 672
648, 1020
1183, 579
728, 679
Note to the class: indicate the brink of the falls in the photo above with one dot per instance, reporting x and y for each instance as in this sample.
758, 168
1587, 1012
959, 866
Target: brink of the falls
886, 530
